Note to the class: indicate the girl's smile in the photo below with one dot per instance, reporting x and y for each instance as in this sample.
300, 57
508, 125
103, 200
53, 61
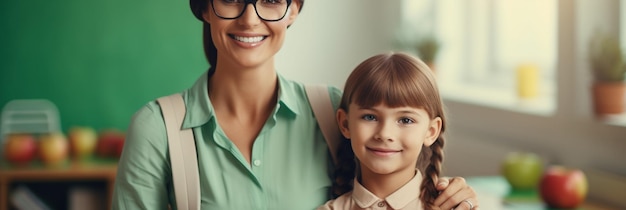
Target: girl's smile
383, 152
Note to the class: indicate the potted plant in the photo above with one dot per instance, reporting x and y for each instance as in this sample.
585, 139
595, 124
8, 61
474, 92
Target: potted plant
427, 49
609, 71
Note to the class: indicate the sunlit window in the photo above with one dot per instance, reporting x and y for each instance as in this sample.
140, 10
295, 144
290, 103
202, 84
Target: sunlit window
493, 52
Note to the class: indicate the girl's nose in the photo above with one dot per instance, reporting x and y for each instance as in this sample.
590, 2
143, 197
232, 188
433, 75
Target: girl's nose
385, 132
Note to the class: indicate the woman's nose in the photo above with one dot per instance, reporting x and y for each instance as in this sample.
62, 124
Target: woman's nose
249, 16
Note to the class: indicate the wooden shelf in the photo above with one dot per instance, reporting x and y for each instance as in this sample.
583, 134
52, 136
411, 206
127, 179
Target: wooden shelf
72, 171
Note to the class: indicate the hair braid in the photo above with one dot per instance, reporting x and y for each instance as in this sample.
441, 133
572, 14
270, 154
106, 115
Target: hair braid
431, 173
345, 169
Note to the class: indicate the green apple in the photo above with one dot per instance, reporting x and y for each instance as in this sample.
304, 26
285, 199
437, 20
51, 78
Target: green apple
82, 141
522, 170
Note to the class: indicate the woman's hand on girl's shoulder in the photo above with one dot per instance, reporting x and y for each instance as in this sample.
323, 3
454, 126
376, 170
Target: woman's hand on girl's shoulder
456, 194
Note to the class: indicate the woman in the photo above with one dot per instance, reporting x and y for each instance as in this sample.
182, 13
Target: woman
258, 144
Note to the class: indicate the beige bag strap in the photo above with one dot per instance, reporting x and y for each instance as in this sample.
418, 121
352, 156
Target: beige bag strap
182, 148
325, 114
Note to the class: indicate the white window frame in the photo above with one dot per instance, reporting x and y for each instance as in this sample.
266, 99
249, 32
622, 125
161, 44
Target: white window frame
487, 82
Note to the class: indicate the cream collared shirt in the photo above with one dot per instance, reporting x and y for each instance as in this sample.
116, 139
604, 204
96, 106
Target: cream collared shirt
407, 197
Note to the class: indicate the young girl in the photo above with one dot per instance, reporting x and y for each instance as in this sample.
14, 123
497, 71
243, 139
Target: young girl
392, 117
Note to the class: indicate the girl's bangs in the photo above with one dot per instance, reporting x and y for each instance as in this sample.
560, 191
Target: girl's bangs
401, 87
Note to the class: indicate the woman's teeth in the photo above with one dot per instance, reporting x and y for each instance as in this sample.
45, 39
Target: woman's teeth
249, 39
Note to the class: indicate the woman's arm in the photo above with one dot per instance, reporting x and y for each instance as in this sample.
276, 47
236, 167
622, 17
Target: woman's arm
143, 170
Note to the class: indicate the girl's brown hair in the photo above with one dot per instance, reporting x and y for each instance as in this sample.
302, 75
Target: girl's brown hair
394, 79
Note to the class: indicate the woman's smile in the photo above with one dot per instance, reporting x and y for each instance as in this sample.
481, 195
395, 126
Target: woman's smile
248, 41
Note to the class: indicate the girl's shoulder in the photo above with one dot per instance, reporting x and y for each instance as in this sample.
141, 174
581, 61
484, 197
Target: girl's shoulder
344, 201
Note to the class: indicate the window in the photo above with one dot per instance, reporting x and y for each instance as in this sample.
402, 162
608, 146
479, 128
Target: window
484, 43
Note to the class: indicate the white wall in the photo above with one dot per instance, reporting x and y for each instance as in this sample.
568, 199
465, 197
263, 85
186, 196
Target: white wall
331, 37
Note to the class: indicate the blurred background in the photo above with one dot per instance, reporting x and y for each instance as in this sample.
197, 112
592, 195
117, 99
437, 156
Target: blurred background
516, 76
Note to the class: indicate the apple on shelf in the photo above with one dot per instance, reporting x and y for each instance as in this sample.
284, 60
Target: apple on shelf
82, 141
110, 143
563, 187
20, 149
522, 170
53, 149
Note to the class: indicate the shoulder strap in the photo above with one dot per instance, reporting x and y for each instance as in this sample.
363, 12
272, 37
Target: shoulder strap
183, 157
182, 148
325, 114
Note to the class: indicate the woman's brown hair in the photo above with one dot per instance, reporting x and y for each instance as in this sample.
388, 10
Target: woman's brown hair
396, 80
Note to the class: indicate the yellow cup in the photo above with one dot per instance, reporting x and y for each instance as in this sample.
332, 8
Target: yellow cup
527, 81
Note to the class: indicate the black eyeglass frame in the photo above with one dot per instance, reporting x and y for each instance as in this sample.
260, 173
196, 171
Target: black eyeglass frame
245, 6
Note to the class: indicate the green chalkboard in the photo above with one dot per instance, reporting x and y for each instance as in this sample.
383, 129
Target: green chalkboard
98, 61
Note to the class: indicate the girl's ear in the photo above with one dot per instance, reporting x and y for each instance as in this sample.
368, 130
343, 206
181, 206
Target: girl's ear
434, 130
342, 121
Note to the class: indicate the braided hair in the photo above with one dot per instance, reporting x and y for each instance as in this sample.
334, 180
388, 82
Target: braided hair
397, 79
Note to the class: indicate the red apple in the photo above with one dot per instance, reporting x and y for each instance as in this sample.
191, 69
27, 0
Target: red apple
82, 141
53, 149
20, 148
522, 170
119, 148
563, 188
110, 143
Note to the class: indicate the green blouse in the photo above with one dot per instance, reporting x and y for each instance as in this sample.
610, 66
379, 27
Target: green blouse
289, 162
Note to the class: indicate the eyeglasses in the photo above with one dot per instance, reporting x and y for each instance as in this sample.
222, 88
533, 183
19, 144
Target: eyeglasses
267, 10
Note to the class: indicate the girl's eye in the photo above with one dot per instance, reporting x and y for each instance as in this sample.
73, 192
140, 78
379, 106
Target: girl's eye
406, 121
369, 117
